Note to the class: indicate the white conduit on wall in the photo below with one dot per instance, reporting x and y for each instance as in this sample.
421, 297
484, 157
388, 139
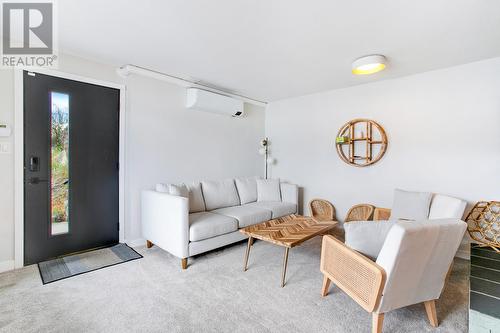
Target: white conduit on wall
125, 70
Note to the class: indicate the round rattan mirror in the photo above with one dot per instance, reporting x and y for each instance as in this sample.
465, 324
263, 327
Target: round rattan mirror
361, 142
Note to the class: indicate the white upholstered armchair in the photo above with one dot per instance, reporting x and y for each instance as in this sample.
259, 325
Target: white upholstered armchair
412, 261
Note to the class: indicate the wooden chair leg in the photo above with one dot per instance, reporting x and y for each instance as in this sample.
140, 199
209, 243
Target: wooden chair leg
184, 263
430, 308
377, 322
326, 285
149, 244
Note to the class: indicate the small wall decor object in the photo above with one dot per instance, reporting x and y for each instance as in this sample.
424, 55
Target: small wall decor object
361, 142
483, 224
342, 139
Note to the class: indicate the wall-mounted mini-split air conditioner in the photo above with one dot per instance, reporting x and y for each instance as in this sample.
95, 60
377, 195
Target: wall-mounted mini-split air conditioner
204, 100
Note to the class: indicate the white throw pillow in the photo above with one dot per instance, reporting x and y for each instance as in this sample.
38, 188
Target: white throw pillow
180, 190
220, 194
247, 189
367, 237
196, 202
268, 190
191, 191
410, 205
445, 207
163, 188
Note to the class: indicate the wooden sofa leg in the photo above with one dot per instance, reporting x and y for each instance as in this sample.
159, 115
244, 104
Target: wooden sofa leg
430, 308
184, 263
149, 244
326, 285
377, 322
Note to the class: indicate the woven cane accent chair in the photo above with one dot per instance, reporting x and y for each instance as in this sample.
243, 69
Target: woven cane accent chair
381, 214
398, 269
361, 212
322, 210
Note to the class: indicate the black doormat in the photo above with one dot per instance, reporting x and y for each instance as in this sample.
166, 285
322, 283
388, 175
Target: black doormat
76, 264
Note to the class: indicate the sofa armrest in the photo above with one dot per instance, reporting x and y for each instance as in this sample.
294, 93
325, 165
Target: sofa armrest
359, 277
289, 193
165, 221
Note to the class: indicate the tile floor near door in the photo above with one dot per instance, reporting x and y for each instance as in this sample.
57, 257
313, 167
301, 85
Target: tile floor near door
213, 295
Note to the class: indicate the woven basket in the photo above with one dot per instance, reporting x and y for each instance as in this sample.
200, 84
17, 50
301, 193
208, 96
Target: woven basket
483, 224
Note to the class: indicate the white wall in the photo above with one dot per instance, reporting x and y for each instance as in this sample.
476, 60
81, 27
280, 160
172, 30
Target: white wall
167, 143
443, 129
164, 143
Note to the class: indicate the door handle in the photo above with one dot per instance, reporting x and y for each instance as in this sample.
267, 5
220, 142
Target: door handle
36, 180
34, 163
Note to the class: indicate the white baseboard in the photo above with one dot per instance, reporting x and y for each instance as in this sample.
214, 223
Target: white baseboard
7, 265
136, 242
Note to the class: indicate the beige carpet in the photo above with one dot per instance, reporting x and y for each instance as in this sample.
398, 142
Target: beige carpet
212, 295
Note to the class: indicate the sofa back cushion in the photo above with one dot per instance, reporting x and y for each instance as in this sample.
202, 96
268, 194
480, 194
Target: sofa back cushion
268, 190
220, 194
444, 207
196, 201
247, 189
410, 205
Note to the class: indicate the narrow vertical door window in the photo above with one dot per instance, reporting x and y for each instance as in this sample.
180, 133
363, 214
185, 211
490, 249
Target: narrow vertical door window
59, 160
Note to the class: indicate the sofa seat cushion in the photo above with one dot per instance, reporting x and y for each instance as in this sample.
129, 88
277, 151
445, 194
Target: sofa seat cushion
246, 215
277, 208
206, 225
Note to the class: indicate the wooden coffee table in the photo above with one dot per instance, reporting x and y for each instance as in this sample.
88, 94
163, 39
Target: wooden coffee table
288, 231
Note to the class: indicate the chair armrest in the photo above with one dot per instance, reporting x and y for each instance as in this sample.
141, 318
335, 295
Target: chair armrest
359, 277
290, 193
381, 214
165, 221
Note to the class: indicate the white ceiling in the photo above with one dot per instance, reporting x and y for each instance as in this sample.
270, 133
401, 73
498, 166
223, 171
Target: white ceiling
274, 49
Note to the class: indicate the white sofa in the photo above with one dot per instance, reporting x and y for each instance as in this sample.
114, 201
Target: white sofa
187, 220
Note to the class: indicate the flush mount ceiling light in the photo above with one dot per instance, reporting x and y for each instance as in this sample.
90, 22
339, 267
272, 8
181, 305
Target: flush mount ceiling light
369, 64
